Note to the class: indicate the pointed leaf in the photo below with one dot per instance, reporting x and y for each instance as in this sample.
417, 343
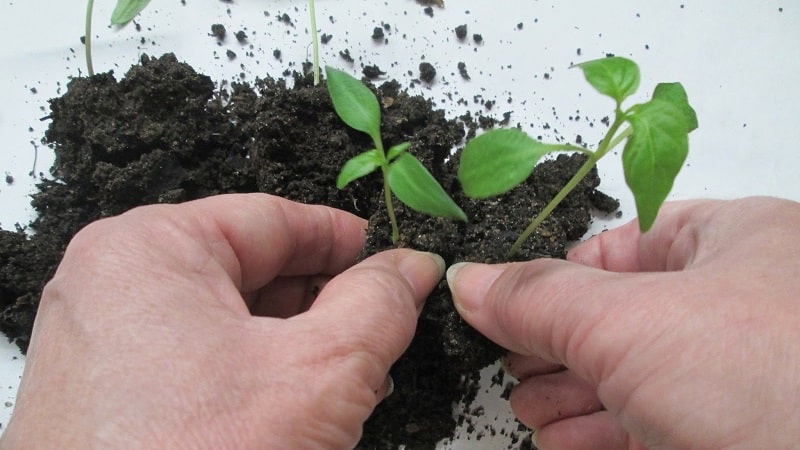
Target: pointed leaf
676, 94
355, 104
497, 161
358, 166
396, 150
615, 77
653, 155
415, 186
126, 10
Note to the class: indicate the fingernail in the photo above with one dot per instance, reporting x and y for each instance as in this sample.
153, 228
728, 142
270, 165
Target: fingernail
389, 386
439, 262
469, 283
534, 439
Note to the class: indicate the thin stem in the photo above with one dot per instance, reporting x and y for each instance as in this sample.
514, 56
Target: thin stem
314, 41
387, 192
606, 145
87, 39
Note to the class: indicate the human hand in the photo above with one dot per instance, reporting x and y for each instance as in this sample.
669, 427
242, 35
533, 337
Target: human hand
685, 337
152, 333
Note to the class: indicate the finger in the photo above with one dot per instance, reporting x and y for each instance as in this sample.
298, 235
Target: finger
597, 430
372, 308
256, 237
670, 245
523, 367
544, 399
559, 311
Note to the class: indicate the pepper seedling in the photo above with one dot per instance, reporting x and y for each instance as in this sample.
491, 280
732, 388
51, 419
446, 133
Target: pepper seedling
656, 145
124, 12
403, 174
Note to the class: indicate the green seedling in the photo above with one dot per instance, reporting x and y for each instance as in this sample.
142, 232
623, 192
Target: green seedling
656, 144
123, 13
403, 174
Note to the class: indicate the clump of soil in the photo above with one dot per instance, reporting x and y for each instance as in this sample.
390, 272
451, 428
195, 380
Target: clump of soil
165, 134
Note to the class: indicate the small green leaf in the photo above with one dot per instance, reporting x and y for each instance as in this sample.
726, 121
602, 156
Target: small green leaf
396, 150
615, 77
355, 104
653, 155
415, 186
126, 10
497, 161
676, 94
358, 166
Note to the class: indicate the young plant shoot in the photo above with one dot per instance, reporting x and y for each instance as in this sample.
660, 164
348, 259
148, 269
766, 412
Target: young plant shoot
314, 41
123, 13
656, 144
403, 174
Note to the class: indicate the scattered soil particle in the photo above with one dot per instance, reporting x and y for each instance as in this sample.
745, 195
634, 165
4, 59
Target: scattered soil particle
325, 38
218, 31
377, 33
462, 70
427, 72
478, 38
372, 72
286, 19
461, 31
428, 11
276, 53
345, 54
230, 54
166, 134
241, 36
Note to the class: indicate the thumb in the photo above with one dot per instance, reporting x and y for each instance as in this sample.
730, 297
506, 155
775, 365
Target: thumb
372, 308
560, 311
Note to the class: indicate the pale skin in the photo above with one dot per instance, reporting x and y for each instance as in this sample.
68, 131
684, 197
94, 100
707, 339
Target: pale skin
146, 336
685, 337
242, 322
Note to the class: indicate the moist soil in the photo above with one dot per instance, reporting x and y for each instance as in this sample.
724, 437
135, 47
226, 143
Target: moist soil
166, 134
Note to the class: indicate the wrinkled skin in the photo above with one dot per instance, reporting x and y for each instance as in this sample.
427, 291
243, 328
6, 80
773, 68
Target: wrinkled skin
234, 322
685, 337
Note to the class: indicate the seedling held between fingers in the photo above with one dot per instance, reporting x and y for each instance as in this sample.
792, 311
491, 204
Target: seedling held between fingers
656, 145
403, 174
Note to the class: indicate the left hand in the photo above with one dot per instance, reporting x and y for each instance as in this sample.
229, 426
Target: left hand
230, 322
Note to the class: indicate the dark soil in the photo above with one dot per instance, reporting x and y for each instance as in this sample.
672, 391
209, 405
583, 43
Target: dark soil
165, 134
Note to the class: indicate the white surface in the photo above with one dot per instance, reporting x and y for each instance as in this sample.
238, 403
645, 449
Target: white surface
739, 62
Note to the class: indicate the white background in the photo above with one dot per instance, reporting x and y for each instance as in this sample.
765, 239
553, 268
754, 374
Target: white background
739, 61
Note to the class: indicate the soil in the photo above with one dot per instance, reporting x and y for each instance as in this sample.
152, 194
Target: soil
165, 134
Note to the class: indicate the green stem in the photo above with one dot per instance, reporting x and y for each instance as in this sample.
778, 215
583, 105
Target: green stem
314, 40
387, 192
87, 39
607, 144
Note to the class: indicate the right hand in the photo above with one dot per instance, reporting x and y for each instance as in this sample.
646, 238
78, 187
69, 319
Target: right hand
685, 337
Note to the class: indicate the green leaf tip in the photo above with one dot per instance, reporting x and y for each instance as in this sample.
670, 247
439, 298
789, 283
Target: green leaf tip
354, 103
654, 154
411, 182
675, 93
497, 161
126, 10
615, 76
